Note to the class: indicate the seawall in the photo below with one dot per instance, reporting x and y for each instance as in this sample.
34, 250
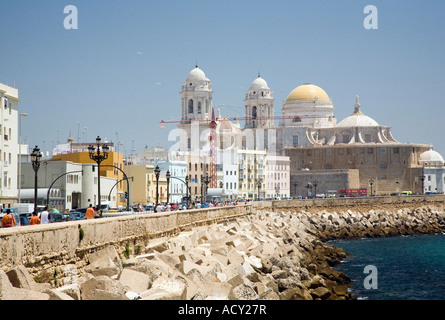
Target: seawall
45, 246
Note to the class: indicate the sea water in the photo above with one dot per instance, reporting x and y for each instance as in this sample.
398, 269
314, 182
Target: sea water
400, 268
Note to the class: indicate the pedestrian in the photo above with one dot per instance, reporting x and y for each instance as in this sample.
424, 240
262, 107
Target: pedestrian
44, 216
8, 220
90, 212
34, 219
97, 212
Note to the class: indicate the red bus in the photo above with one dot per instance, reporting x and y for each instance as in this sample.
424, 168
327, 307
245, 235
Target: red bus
351, 193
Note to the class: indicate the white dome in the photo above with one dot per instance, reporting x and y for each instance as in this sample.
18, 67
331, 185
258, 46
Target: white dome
431, 156
358, 120
197, 75
259, 83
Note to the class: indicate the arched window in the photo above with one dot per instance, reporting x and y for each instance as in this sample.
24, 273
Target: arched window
199, 107
254, 112
190, 106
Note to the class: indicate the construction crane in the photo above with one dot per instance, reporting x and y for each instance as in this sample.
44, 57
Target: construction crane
163, 123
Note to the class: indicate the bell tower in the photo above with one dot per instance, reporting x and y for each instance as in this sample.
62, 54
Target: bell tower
196, 96
259, 105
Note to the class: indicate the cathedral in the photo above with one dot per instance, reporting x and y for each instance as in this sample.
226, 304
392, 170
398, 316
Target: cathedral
354, 153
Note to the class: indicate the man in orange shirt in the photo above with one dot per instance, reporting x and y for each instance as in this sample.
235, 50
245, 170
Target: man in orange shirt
90, 212
34, 219
8, 220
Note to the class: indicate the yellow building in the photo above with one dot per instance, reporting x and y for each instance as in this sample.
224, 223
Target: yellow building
143, 184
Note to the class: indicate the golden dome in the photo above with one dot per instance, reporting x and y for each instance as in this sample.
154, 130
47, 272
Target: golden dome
307, 93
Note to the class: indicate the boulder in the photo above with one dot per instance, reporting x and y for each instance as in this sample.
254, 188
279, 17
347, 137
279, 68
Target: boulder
321, 293
105, 262
6, 288
102, 288
21, 278
243, 292
134, 280
164, 288
72, 290
57, 295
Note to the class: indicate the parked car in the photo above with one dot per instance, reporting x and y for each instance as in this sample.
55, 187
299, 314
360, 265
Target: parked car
74, 216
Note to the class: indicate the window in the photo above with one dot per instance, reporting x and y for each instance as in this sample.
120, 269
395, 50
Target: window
367, 137
190, 106
396, 150
295, 140
254, 112
199, 107
296, 119
346, 138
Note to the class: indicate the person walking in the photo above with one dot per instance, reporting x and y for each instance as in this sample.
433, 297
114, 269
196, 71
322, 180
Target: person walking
8, 220
44, 216
34, 219
90, 212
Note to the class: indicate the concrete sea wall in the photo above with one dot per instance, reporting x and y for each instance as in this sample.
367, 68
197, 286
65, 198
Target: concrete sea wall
43, 246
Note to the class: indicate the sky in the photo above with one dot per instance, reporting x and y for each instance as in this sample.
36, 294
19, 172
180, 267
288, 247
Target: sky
120, 73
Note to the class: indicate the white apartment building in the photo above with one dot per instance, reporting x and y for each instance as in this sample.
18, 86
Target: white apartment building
277, 180
9, 99
251, 166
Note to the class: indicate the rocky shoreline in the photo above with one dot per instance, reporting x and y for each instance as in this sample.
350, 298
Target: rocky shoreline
262, 256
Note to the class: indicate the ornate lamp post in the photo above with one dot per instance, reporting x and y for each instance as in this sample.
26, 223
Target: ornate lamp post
187, 190
206, 182
315, 184
422, 178
259, 188
167, 175
308, 186
371, 182
157, 172
36, 157
97, 156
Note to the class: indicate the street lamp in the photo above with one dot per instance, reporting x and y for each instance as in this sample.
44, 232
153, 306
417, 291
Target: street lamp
98, 157
315, 184
36, 157
295, 187
308, 186
157, 172
187, 190
167, 175
422, 178
259, 187
20, 154
206, 182
371, 182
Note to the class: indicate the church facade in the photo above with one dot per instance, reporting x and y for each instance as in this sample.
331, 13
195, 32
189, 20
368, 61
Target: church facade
356, 152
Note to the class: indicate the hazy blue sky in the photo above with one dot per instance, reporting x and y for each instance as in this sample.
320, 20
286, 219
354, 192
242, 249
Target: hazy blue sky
122, 69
